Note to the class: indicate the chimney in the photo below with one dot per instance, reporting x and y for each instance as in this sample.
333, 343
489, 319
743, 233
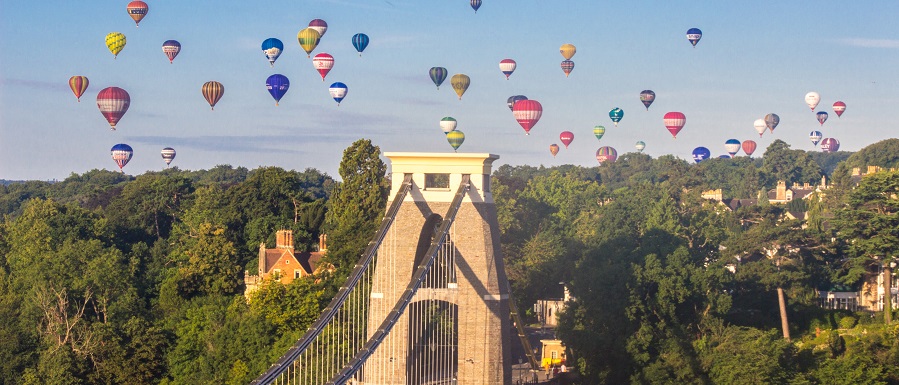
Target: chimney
781, 191
873, 169
806, 186
323, 243
284, 239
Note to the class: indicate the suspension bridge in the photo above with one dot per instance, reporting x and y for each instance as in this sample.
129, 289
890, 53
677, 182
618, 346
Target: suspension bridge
428, 301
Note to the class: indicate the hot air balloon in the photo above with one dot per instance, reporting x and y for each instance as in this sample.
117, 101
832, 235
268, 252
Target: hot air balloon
732, 146
527, 113
830, 145
455, 139
760, 126
308, 39
475, 4
606, 154
512, 99
749, 147
448, 124
272, 48
822, 117
323, 62
460, 84
700, 154
566, 137
115, 41
812, 99
616, 114
554, 149
724, 156
338, 91
113, 103
839, 107
168, 154
78, 84
277, 85
360, 41
640, 145
771, 121
674, 122
171, 48
567, 67
599, 131
507, 66
815, 137
647, 97
438, 75
137, 10
319, 26
693, 35
567, 51
121, 154
213, 91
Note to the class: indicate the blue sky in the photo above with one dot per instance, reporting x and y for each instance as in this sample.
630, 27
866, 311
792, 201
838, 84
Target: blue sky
754, 58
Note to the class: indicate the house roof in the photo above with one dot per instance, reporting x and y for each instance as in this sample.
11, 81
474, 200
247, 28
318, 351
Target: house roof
309, 260
734, 203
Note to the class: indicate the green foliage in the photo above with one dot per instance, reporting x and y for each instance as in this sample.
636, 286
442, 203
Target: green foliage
783, 164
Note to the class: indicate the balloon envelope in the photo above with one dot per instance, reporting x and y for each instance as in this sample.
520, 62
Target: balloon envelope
693, 35
460, 84
830, 145
137, 10
115, 41
272, 48
567, 67
171, 48
277, 85
448, 124
338, 91
527, 113
78, 84
121, 154
320, 26
812, 99
212, 91
599, 131
606, 154
360, 41
732, 146
455, 139
815, 137
700, 154
822, 117
674, 122
566, 137
749, 147
308, 39
438, 75
616, 114
760, 126
113, 103
323, 63
640, 145
647, 97
771, 121
554, 149
838, 108
168, 154
515, 98
507, 66
567, 51
475, 4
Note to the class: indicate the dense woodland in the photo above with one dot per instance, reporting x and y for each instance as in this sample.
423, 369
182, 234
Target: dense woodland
114, 279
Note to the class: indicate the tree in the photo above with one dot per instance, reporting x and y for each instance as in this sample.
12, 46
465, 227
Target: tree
783, 164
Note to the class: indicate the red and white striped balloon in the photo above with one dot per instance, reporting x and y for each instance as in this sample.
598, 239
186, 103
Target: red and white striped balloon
323, 62
507, 66
675, 121
113, 103
527, 113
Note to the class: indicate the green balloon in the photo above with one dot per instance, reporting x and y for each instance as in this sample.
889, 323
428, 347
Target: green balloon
616, 114
455, 139
599, 131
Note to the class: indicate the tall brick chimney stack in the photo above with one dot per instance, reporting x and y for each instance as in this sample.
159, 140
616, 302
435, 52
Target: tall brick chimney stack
284, 239
323, 243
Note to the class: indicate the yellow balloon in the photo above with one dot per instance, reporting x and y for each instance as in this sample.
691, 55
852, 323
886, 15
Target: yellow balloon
460, 83
115, 41
308, 39
567, 51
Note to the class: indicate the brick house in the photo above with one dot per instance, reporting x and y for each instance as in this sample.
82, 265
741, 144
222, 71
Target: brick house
283, 263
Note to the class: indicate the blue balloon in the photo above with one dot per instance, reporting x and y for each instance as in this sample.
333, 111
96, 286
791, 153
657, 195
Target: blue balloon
360, 41
277, 85
700, 154
815, 137
475, 4
272, 48
725, 156
338, 91
693, 35
732, 146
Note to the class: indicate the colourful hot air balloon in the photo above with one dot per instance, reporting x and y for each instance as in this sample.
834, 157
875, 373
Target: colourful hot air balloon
640, 145
212, 91
724, 156
760, 126
319, 26
749, 147
567, 67
815, 137
475, 4
323, 63
338, 92
512, 99
168, 154
554, 149
460, 84
822, 117
507, 66
448, 124
616, 114
455, 139
674, 122
771, 121
732, 146
438, 75
171, 48
78, 84
647, 97
277, 85
137, 10
527, 113
830, 145
606, 154
113, 103
360, 41
115, 41
567, 51
693, 35
700, 154
121, 154
566, 137
812, 99
599, 131
272, 48
838, 108
308, 39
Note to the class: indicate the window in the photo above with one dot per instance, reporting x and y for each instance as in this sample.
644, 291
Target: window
296, 274
277, 274
437, 181
554, 354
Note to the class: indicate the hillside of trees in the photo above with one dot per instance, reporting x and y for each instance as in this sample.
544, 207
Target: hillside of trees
114, 279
